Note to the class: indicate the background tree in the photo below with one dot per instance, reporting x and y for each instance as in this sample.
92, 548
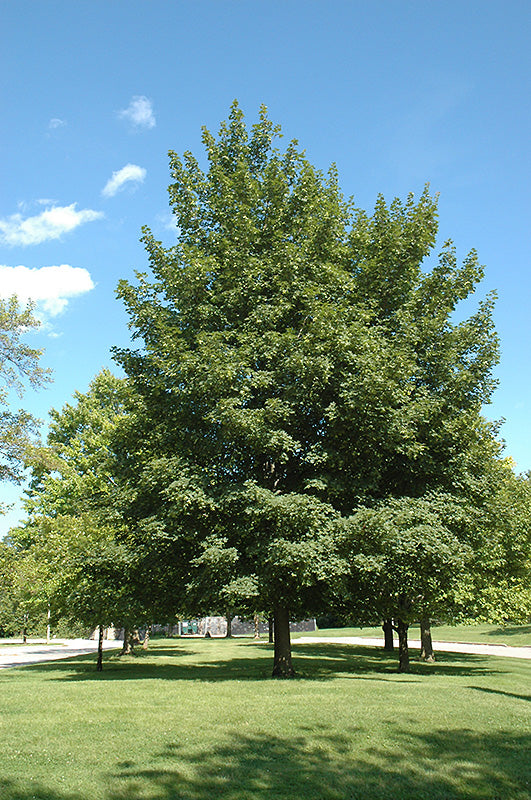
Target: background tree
497, 585
19, 364
9, 622
74, 525
87, 574
80, 472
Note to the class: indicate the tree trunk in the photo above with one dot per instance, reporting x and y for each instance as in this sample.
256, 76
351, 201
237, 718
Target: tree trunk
388, 635
256, 620
127, 647
229, 625
282, 666
270, 625
403, 652
25, 629
99, 664
145, 643
426, 644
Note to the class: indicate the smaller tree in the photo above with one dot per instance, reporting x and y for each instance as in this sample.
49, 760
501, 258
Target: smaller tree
406, 559
97, 592
24, 590
84, 573
74, 512
288, 546
212, 586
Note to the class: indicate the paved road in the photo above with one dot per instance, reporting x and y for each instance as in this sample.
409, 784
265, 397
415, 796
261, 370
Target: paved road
16, 655
448, 647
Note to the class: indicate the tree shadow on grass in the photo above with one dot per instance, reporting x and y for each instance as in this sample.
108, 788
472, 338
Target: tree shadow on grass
360, 660
179, 663
321, 766
499, 691
515, 630
456, 764
16, 790
316, 662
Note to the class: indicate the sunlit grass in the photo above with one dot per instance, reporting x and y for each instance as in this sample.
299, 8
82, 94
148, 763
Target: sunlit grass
515, 635
201, 719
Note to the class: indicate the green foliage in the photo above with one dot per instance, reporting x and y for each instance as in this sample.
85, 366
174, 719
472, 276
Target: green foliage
407, 555
74, 529
81, 465
83, 571
19, 363
23, 591
498, 583
299, 361
9, 621
289, 543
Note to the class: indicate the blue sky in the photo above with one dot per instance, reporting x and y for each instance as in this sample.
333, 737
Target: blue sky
396, 93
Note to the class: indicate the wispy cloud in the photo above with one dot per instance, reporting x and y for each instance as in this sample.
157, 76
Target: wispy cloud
49, 287
50, 224
55, 122
139, 112
131, 172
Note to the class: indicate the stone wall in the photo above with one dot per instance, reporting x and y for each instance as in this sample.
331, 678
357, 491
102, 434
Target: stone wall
217, 626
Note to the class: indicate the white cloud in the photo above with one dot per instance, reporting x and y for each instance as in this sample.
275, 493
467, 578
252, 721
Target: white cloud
56, 123
139, 112
131, 172
166, 220
50, 224
49, 287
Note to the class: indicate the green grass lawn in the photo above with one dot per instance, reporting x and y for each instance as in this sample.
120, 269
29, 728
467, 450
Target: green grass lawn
201, 720
516, 635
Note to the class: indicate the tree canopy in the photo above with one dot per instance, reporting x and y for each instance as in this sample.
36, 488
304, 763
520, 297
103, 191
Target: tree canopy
299, 359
